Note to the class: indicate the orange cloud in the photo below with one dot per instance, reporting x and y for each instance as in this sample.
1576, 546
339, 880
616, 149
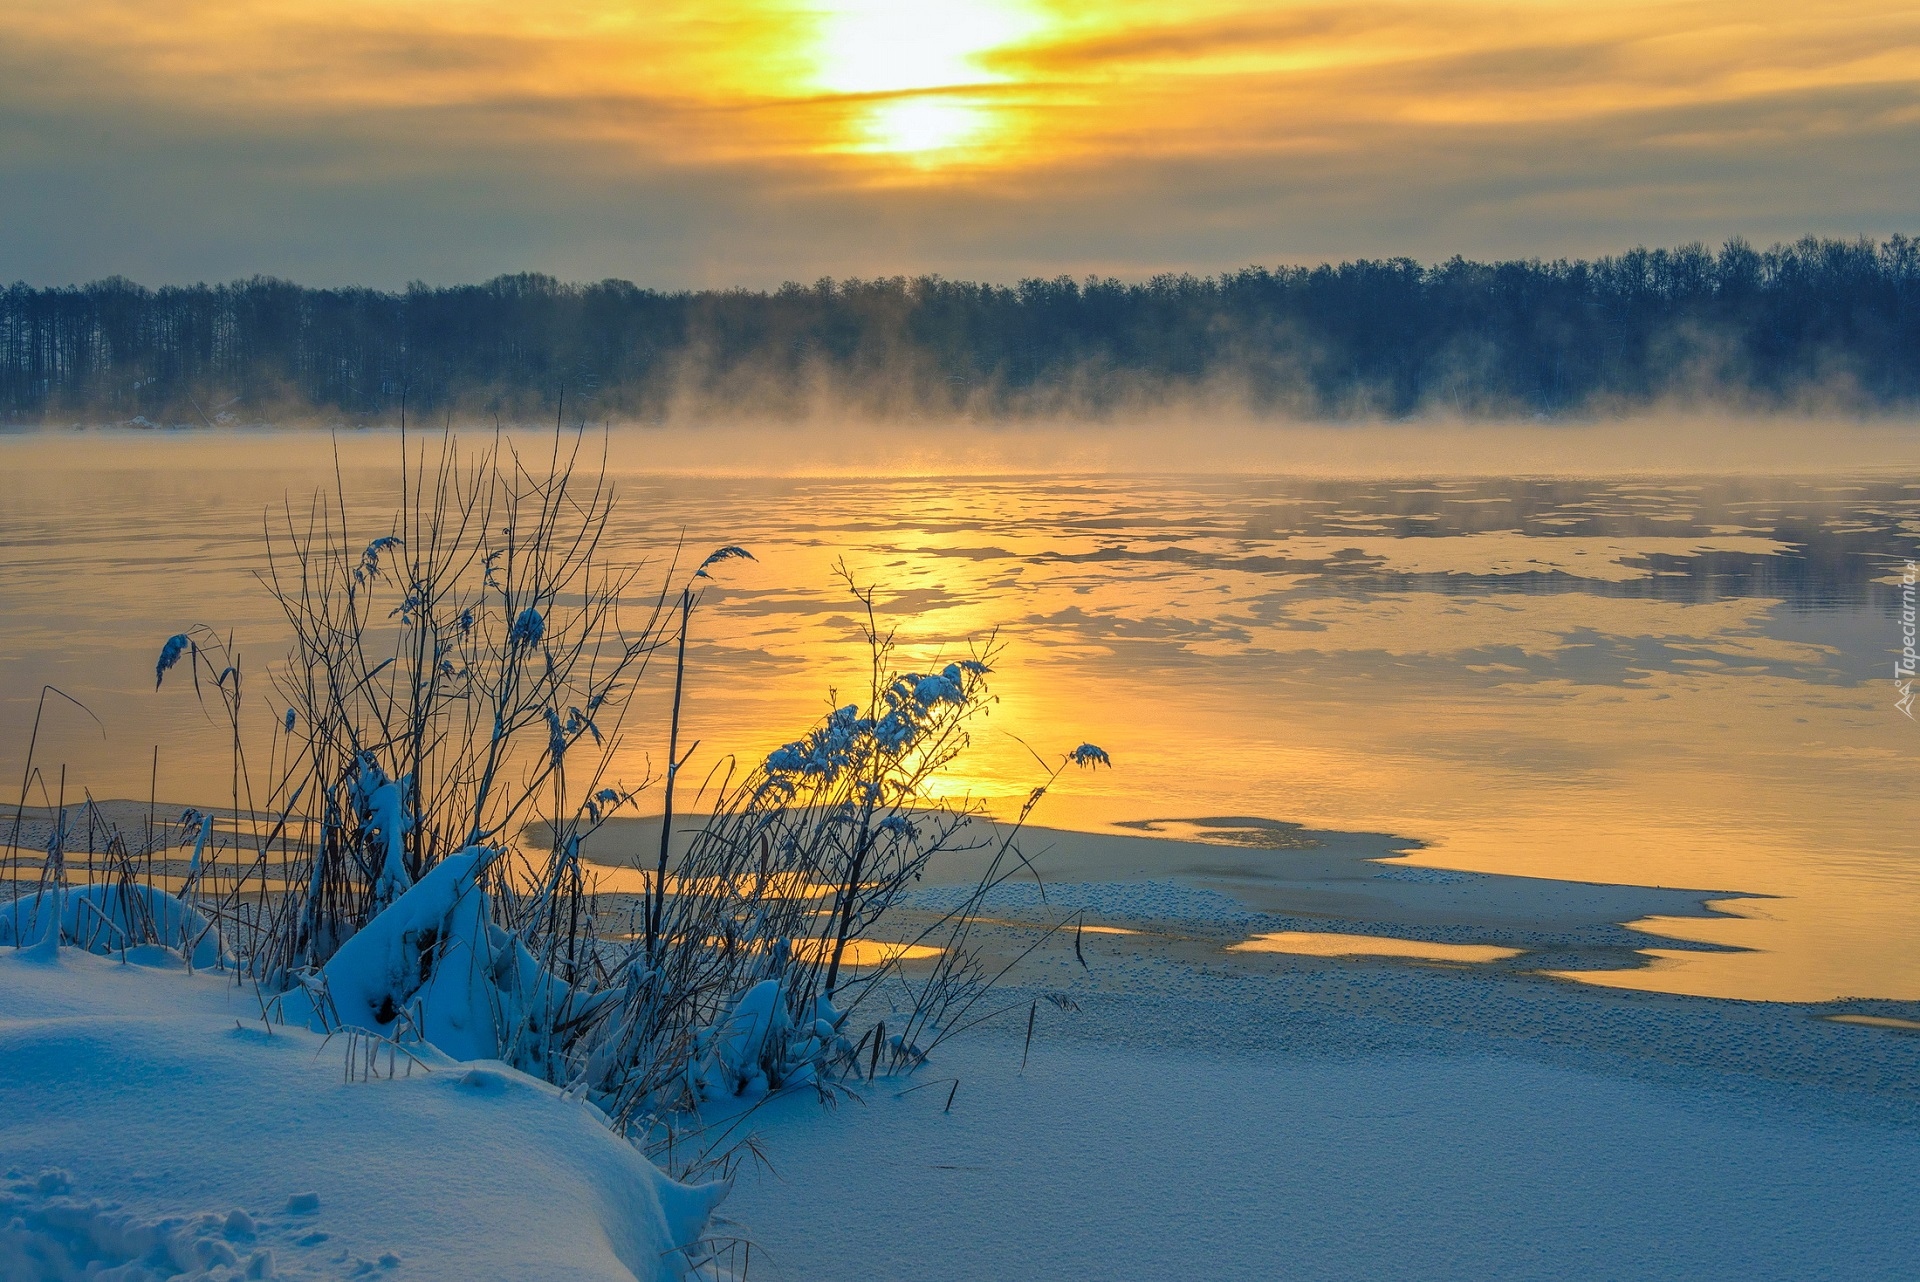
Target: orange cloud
1228, 127
1028, 83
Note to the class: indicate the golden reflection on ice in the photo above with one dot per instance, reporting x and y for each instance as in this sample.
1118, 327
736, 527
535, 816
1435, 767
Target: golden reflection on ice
1304, 943
620, 879
865, 952
212, 883
1876, 1021
858, 952
1567, 705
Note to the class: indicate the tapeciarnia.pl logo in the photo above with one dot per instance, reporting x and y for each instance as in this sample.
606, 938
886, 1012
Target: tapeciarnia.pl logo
1903, 667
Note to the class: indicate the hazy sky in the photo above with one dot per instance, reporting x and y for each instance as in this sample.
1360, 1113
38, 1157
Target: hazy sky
679, 144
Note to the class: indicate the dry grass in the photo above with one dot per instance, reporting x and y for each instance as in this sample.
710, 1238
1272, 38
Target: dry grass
463, 675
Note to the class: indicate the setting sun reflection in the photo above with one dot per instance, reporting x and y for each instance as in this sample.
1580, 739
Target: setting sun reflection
618, 879
213, 882
1876, 1021
865, 952
1587, 699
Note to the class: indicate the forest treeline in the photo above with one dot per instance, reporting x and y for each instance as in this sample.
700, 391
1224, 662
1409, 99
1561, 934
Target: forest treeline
1817, 325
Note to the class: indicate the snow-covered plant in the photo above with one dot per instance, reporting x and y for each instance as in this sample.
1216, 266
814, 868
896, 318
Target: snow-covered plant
118, 906
462, 673
461, 680
458, 672
741, 981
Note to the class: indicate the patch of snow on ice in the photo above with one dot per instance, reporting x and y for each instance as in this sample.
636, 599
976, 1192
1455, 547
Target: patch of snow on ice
1421, 876
1138, 900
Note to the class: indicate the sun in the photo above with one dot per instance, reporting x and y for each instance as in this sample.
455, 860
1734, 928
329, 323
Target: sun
920, 125
922, 65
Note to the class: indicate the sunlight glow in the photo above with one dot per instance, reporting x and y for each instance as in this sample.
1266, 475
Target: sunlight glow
905, 50
859, 88
880, 46
921, 125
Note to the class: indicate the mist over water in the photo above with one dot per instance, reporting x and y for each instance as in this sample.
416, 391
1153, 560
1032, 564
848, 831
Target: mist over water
1656, 652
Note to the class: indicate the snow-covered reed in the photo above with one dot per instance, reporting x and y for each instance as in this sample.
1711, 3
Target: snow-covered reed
461, 679
739, 979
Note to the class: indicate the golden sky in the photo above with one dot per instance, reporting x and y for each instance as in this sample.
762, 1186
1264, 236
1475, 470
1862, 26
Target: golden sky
741, 143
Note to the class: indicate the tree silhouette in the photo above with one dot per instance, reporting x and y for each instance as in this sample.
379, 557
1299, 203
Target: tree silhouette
1815, 324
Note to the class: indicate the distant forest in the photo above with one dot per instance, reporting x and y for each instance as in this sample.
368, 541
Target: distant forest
1816, 325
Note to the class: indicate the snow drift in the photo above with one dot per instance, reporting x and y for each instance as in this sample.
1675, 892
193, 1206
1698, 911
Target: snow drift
153, 1126
110, 917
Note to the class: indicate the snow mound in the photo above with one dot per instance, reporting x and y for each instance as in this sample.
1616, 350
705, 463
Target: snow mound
433, 967
732, 1052
753, 1046
107, 917
153, 1126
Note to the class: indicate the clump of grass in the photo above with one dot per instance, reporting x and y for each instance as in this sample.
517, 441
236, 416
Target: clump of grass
462, 675
804, 854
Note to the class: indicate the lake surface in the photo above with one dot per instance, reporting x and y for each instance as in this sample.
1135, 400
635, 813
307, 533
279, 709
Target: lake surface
1671, 681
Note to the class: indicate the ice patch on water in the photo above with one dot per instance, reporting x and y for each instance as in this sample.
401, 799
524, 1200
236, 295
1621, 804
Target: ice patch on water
1139, 900
1421, 876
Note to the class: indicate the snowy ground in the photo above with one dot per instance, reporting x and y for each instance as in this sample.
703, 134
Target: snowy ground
1202, 1113
1380, 1128
1121, 1164
1215, 1114
150, 1126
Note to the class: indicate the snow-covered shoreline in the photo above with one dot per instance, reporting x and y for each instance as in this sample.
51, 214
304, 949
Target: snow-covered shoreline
1183, 1109
1206, 1112
1317, 1119
1141, 1161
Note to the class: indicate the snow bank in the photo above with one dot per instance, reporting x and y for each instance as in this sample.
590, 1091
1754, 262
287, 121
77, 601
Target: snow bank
432, 966
152, 1126
732, 1053
107, 918
753, 1046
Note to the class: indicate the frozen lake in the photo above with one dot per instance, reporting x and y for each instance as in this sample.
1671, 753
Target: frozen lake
1680, 682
